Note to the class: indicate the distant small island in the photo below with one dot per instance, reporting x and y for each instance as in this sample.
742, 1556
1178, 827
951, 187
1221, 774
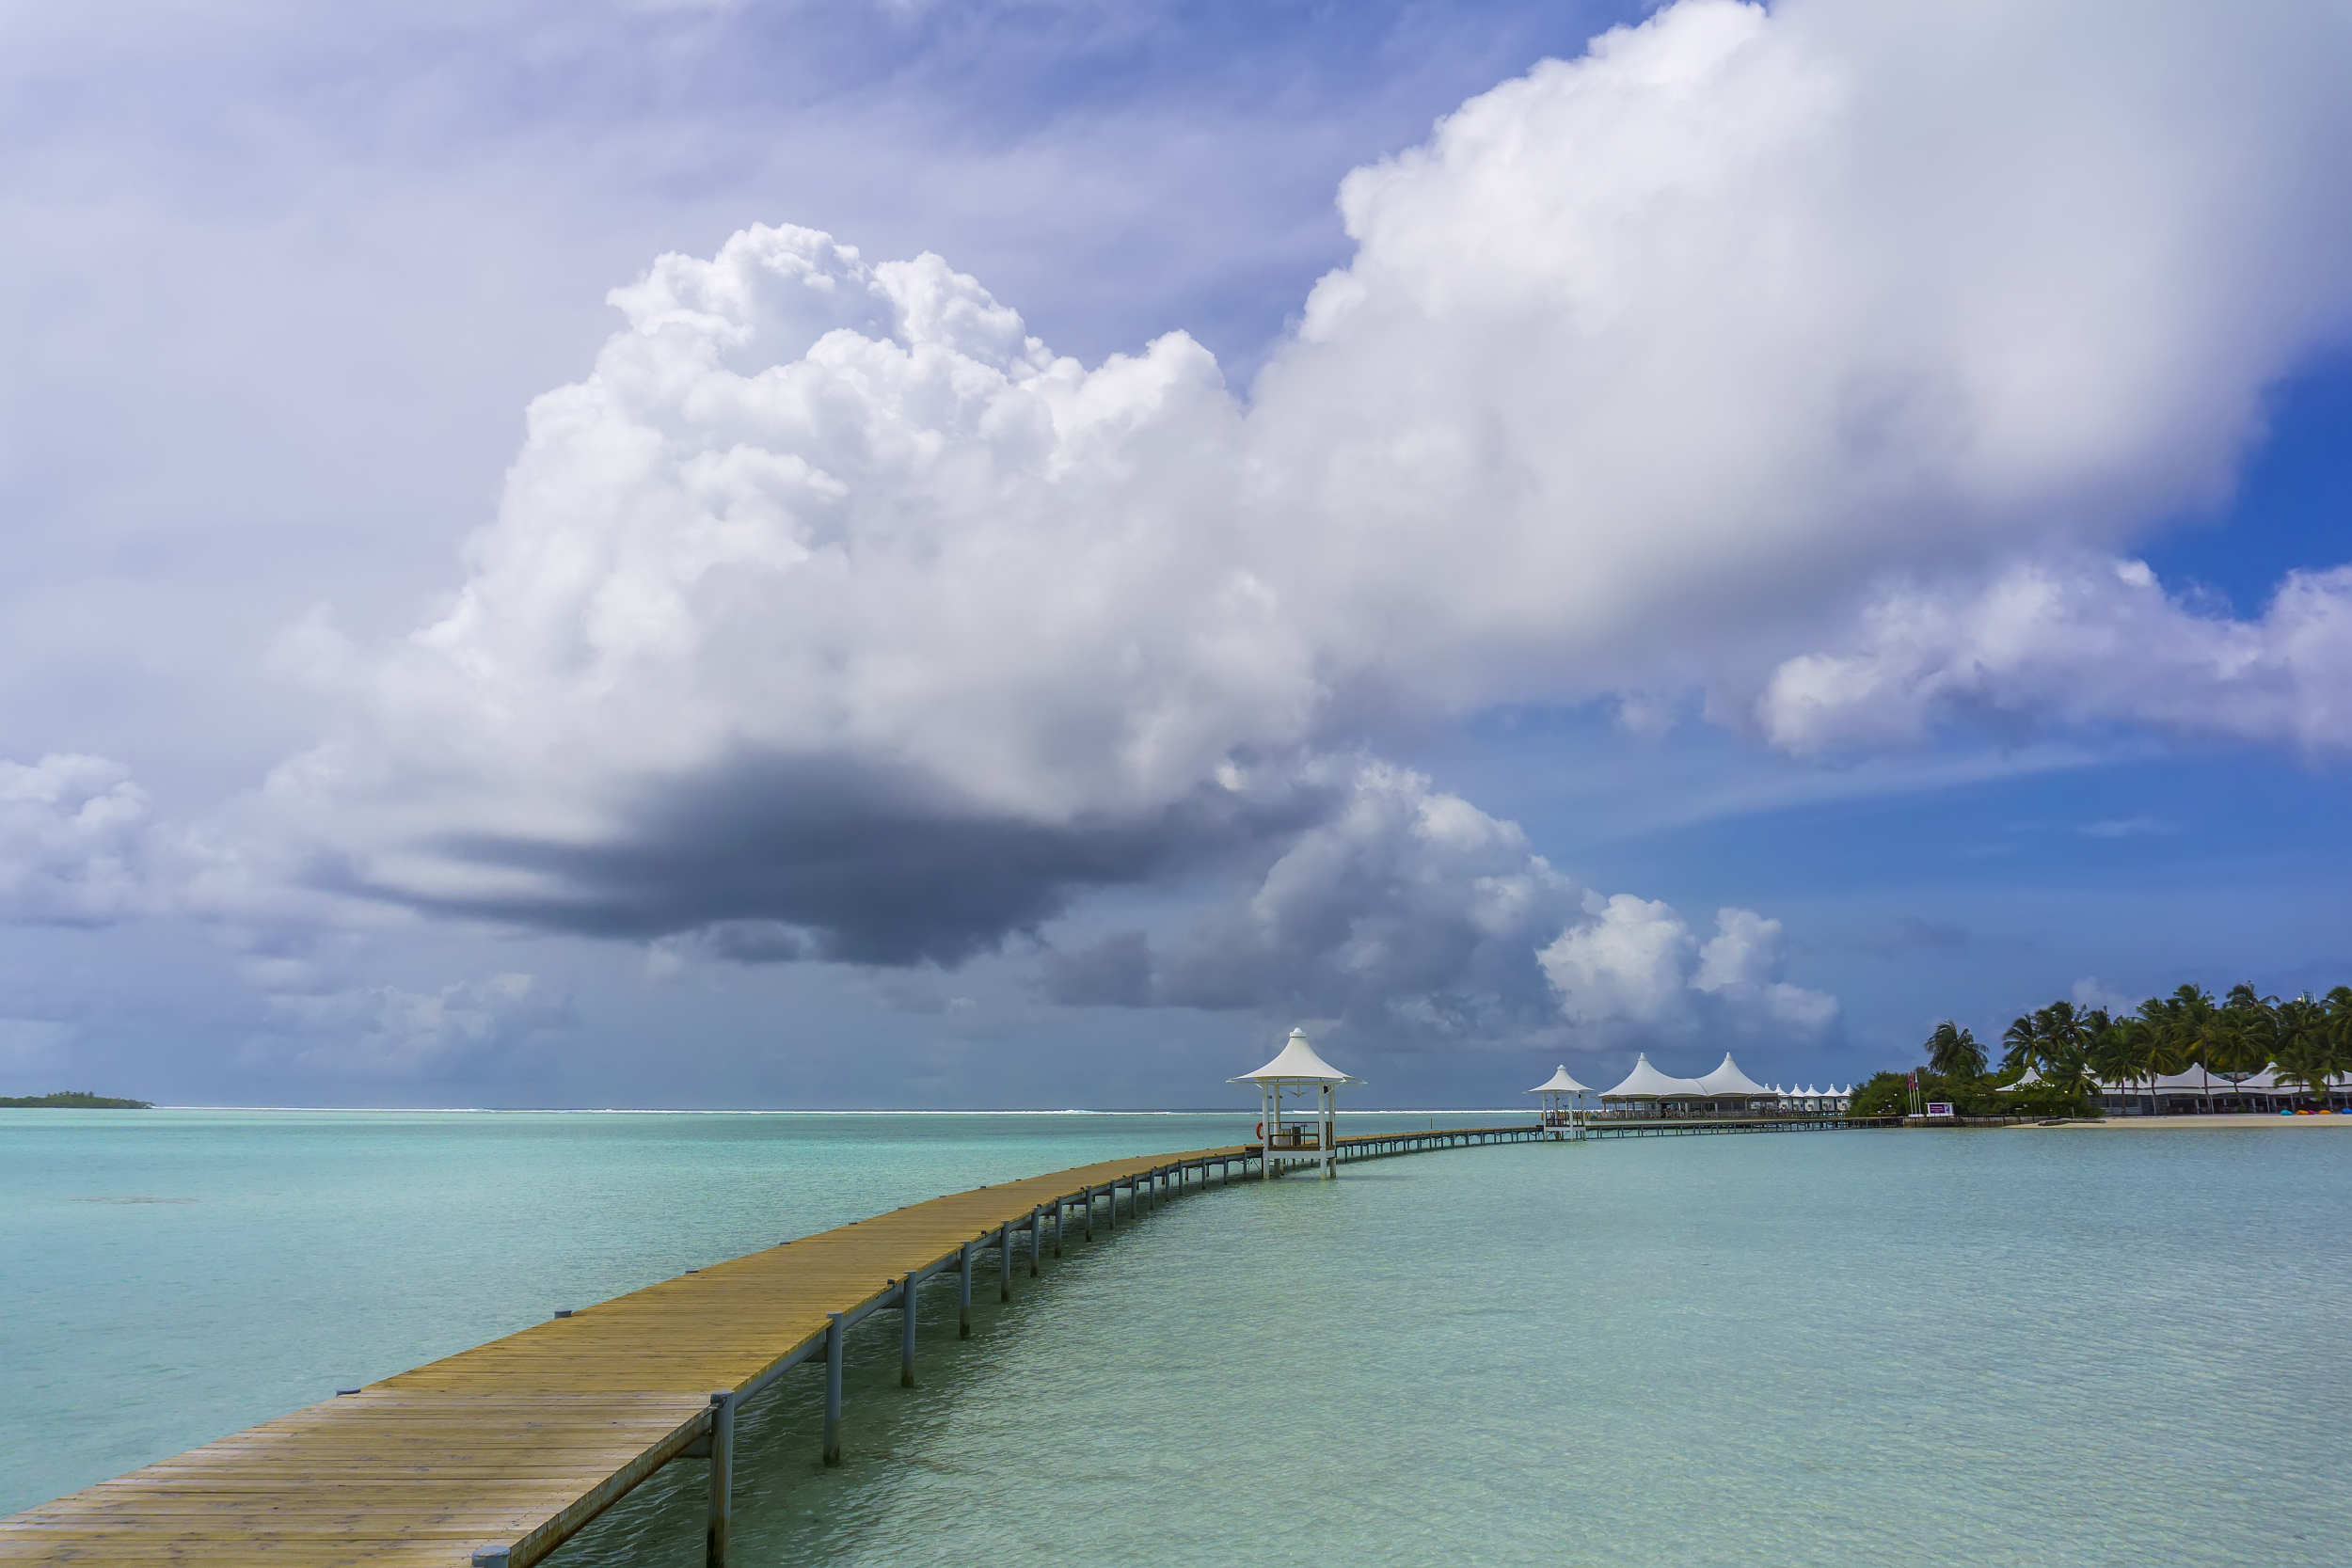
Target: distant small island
71, 1099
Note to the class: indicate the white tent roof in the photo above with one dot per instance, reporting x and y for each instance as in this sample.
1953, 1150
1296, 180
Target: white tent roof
1560, 1083
2193, 1080
1646, 1082
1297, 1062
2032, 1080
1728, 1079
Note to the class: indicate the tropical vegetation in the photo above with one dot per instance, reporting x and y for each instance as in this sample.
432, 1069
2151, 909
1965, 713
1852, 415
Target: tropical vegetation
71, 1099
2068, 1050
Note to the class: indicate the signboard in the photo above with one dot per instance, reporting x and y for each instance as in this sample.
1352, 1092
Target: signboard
1937, 1108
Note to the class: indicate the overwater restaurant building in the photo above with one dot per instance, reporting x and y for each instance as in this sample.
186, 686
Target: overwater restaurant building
1724, 1092
1810, 1102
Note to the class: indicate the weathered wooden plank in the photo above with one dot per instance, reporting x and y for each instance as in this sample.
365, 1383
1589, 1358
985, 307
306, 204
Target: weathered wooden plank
519, 1442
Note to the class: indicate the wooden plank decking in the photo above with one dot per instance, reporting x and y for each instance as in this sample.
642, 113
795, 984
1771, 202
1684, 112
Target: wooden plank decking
511, 1446
515, 1445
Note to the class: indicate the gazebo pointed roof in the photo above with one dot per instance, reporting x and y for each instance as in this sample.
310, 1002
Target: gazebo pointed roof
1560, 1083
1296, 1062
1728, 1079
1646, 1082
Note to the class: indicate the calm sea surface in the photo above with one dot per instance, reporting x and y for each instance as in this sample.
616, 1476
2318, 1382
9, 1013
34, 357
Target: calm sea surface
2117, 1347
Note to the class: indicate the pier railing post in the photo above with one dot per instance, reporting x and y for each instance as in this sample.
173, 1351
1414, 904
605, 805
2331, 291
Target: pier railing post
833, 1388
721, 1479
906, 1332
964, 1293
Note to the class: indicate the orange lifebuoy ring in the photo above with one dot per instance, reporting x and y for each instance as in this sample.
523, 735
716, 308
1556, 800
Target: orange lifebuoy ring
1261, 1134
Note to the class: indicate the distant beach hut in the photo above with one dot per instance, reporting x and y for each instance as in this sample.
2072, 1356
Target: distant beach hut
1728, 1083
1647, 1092
1296, 1071
1562, 1117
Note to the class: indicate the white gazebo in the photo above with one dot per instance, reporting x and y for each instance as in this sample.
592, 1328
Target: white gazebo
1728, 1082
1648, 1087
1296, 1070
1562, 1118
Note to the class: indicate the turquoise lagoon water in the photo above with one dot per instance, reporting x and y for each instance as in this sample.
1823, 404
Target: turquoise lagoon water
2109, 1347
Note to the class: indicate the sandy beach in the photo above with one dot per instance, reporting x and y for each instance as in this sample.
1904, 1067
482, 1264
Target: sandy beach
2235, 1119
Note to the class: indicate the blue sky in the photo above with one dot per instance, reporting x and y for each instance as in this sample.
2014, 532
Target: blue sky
1671, 589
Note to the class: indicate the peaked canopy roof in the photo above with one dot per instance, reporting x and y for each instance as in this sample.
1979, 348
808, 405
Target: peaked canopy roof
1646, 1082
1560, 1083
1297, 1063
1728, 1079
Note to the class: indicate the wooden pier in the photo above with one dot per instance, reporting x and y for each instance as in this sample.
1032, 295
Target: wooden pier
1376, 1145
495, 1456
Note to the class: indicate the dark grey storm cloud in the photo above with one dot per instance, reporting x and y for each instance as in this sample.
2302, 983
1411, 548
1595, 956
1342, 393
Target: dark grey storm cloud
1404, 913
777, 858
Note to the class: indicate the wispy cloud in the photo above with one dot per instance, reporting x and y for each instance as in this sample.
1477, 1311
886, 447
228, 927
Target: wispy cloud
2129, 827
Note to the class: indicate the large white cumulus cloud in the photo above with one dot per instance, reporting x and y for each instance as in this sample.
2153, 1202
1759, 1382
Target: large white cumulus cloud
1647, 356
2070, 644
835, 603
1633, 971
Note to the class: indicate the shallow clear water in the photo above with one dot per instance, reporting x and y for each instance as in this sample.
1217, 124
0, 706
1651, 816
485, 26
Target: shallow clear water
2113, 1347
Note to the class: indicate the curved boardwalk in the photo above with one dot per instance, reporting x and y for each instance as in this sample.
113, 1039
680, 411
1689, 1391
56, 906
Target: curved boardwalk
497, 1456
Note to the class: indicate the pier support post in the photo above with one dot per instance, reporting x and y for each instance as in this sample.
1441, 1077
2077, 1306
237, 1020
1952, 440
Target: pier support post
1328, 1134
1110, 1219
1004, 1262
833, 1388
964, 1293
1269, 1128
1037, 1234
1062, 1206
1090, 1213
906, 1332
721, 1479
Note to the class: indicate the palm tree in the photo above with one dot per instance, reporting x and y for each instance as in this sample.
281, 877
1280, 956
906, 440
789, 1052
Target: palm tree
2200, 1028
2110, 1051
2069, 1067
2312, 1050
2024, 1048
2135, 1050
2162, 1053
2168, 1043
2060, 1025
1953, 1052
2234, 1039
2249, 1028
